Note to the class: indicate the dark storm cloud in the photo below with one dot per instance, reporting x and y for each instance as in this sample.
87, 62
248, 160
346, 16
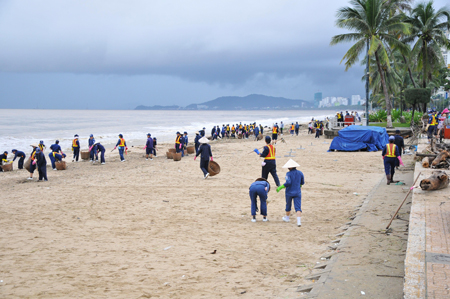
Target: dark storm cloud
236, 46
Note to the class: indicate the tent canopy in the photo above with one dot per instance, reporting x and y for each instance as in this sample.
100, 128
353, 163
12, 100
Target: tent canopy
354, 138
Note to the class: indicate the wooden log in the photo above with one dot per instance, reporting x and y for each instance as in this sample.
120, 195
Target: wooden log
426, 162
438, 180
441, 157
425, 155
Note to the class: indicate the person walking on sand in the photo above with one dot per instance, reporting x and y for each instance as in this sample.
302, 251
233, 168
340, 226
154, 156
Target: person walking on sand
122, 144
41, 164
21, 156
294, 182
261, 188
196, 141
75, 148
269, 164
206, 156
149, 147
390, 156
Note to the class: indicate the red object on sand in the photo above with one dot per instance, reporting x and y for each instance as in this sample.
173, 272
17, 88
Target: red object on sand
446, 133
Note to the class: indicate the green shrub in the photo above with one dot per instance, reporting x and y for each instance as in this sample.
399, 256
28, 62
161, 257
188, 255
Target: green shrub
379, 116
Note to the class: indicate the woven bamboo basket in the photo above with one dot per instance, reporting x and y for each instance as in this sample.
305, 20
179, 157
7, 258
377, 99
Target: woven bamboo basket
84, 155
260, 137
190, 149
61, 165
169, 155
7, 167
172, 150
27, 164
176, 156
213, 168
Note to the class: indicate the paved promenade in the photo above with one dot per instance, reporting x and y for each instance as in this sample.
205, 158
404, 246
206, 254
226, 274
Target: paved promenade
427, 263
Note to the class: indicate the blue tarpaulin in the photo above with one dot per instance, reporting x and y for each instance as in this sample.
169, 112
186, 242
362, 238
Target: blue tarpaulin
354, 138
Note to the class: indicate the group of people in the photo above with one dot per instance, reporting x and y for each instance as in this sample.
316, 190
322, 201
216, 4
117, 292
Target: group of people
340, 117
261, 187
437, 122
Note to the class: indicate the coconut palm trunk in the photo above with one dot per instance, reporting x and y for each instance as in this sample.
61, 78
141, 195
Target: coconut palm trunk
385, 91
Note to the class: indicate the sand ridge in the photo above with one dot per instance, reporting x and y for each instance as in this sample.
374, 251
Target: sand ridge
144, 229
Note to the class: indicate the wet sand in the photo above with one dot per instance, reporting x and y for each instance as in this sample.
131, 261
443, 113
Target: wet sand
146, 229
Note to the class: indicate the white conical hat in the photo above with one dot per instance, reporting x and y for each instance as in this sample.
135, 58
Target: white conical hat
203, 140
291, 164
34, 145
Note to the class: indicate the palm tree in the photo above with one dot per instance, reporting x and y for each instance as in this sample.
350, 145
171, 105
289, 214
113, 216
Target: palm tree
428, 36
373, 23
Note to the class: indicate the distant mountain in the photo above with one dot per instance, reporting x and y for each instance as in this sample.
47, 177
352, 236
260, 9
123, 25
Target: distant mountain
250, 102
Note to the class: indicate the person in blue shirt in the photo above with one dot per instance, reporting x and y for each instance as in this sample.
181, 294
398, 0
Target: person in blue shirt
256, 131
149, 147
21, 156
294, 182
261, 188
390, 157
55, 155
3, 158
297, 127
122, 144
206, 155
91, 142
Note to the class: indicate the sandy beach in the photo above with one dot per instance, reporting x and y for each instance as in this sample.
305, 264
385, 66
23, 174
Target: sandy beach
146, 229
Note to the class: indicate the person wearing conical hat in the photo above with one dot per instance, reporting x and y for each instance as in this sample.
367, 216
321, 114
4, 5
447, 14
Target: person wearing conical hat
294, 182
261, 188
206, 155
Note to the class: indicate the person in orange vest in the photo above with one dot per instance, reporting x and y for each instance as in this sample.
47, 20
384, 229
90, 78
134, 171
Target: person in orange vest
292, 129
269, 165
32, 160
390, 156
178, 143
122, 147
275, 133
75, 148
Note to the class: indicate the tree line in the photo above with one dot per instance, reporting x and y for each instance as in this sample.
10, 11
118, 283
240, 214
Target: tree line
402, 48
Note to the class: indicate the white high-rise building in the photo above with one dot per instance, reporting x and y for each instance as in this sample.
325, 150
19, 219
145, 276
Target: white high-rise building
356, 99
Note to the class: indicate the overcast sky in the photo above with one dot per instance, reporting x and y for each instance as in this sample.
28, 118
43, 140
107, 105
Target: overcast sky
109, 54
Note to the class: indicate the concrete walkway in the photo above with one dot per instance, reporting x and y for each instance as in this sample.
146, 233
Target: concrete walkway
427, 263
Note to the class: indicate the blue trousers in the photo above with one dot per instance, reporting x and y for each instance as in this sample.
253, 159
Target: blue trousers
102, 156
76, 153
204, 166
258, 191
91, 154
389, 165
21, 159
57, 157
297, 203
121, 150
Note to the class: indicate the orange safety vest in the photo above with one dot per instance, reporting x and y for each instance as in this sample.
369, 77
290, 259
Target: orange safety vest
271, 155
122, 142
240, 127
390, 150
177, 141
41, 147
274, 130
292, 128
233, 129
33, 156
433, 122
74, 143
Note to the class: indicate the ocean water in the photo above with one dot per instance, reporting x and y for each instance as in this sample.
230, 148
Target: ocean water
20, 128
